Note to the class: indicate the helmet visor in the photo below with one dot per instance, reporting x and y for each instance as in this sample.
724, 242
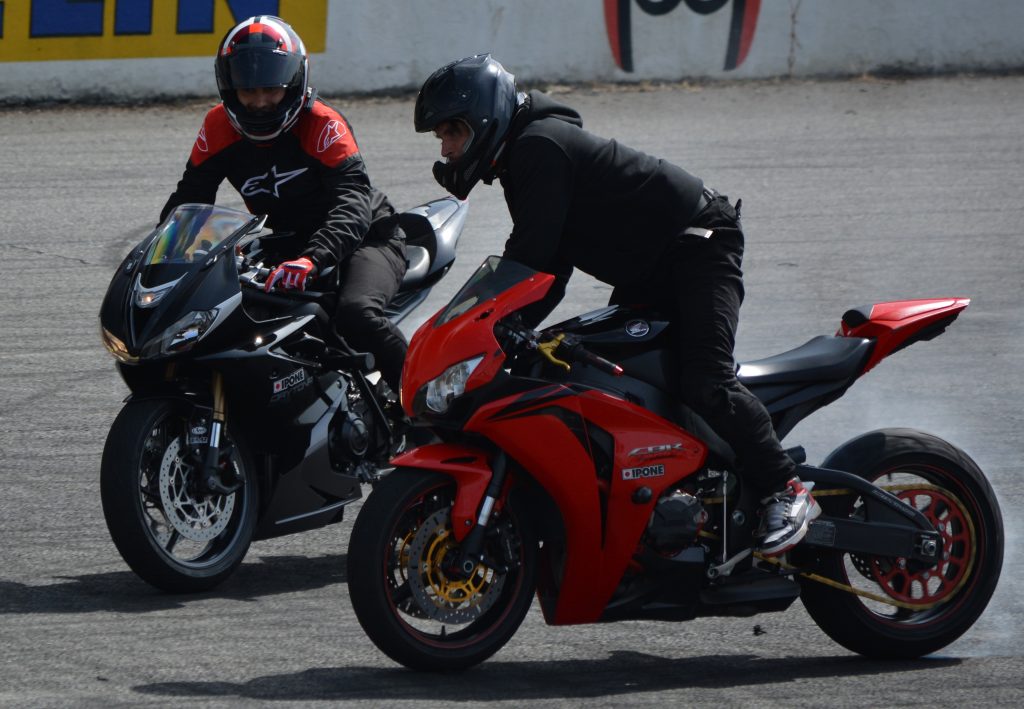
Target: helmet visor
258, 70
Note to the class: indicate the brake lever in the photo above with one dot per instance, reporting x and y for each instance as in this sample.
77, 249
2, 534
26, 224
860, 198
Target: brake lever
576, 352
548, 350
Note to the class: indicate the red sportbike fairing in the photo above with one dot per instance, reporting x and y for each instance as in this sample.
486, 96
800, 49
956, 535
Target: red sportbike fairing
569, 465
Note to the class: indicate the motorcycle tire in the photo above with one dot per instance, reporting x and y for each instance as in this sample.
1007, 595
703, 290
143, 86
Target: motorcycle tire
925, 609
408, 607
173, 537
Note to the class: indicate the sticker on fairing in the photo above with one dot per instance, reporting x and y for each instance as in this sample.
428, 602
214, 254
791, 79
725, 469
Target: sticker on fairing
644, 471
292, 380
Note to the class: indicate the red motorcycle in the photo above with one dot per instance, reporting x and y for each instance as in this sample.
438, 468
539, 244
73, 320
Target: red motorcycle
567, 466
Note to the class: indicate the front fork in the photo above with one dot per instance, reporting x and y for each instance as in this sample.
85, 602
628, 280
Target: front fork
210, 478
471, 550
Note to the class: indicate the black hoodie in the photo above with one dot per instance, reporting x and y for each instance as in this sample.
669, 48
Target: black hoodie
581, 201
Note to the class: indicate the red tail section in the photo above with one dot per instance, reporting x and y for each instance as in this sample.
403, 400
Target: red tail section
900, 323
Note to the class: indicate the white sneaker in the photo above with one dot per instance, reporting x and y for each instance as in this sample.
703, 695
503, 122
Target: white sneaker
785, 518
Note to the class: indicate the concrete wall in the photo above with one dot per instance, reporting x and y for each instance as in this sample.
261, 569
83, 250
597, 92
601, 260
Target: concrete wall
139, 49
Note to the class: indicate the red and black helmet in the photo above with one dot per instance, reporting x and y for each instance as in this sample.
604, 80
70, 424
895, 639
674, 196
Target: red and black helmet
262, 52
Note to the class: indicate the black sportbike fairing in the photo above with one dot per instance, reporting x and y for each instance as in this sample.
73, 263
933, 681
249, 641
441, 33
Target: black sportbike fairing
187, 305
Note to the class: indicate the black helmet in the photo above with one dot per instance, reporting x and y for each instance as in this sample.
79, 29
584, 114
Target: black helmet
478, 91
262, 52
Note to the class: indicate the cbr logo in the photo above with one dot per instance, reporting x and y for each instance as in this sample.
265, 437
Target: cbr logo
656, 450
331, 134
646, 471
294, 379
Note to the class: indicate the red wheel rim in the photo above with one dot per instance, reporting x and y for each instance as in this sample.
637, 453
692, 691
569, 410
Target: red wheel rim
935, 584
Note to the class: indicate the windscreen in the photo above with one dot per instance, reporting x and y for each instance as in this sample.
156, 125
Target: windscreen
495, 276
191, 232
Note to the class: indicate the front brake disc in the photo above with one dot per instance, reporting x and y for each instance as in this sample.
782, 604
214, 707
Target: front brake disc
442, 599
198, 520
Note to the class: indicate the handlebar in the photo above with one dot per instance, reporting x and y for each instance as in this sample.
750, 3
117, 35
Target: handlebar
562, 349
580, 354
571, 348
257, 279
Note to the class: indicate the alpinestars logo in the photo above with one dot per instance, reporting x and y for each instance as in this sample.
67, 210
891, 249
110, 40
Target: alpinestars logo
331, 134
269, 182
201, 143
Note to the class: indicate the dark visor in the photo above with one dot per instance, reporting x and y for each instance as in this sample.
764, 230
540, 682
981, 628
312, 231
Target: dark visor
256, 70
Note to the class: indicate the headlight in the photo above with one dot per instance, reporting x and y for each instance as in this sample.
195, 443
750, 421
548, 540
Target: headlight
451, 384
116, 347
182, 335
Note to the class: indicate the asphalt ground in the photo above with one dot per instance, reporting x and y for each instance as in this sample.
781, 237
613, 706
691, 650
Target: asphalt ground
854, 192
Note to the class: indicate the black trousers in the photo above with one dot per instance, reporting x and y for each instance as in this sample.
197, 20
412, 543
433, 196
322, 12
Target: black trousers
369, 278
700, 283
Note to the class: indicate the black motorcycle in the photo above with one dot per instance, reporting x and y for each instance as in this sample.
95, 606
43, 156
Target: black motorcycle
249, 417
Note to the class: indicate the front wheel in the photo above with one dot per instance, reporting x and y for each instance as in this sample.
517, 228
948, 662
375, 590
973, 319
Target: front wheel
171, 533
887, 607
402, 597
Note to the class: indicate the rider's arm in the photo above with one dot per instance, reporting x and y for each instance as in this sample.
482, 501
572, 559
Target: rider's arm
198, 184
206, 165
348, 218
326, 137
538, 187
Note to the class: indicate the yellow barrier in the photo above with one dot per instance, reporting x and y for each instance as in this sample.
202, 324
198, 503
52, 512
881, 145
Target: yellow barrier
40, 30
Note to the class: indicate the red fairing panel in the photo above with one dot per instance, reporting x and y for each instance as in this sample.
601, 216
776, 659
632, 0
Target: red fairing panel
434, 349
892, 324
546, 431
468, 466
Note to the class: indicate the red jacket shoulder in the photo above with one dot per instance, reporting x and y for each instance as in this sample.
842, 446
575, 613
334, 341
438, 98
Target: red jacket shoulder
216, 134
326, 135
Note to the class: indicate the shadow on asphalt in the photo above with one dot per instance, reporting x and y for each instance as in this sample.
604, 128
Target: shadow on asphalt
620, 673
124, 592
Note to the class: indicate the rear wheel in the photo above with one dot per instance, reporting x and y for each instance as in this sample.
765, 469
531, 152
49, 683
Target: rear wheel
412, 610
897, 609
171, 533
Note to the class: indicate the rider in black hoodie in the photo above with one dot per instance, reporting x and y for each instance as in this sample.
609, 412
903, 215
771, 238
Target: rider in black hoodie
641, 224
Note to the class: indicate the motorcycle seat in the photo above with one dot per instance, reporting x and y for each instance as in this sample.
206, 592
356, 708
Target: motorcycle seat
420, 247
822, 358
418, 259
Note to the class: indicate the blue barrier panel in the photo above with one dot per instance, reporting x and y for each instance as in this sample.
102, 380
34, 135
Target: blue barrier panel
197, 15
38, 30
66, 18
133, 18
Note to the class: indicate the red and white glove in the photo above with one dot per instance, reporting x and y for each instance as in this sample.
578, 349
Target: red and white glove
292, 274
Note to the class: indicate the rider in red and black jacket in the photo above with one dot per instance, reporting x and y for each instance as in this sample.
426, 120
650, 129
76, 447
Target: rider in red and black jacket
295, 159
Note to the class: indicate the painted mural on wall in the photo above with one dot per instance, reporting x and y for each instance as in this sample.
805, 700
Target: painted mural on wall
617, 16
38, 30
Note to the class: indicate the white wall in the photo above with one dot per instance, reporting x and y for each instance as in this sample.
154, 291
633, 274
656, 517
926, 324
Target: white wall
376, 45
